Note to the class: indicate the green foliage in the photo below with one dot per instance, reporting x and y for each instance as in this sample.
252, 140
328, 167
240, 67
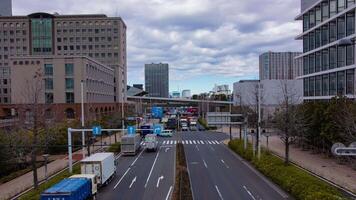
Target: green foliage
297, 182
115, 148
203, 122
35, 194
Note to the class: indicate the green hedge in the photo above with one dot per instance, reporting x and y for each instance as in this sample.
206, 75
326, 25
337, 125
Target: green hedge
292, 179
203, 122
35, 194
115, 148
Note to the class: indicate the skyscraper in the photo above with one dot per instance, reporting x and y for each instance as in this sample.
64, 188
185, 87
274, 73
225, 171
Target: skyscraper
5, 7
157, 80
96, 36
328, 49
280, 65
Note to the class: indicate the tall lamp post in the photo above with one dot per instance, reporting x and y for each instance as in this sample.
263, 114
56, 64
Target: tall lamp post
82, 117
259, 122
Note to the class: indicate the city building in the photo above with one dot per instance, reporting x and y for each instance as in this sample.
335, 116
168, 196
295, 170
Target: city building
280, 65
328, 48
134, 91
221, 89
5, 7
272, 95
176, 94
186, 94
55, 81
41, 34
157, 80
138, 86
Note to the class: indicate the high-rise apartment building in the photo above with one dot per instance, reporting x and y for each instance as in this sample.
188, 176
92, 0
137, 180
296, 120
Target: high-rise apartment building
99, 37
328, 49
5, 7
280, 65
157, 80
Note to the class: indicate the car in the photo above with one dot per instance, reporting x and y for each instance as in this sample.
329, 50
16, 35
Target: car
151, 142
185, 127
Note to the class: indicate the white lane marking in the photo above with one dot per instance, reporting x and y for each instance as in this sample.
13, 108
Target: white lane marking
197, 147
118, 156
121, 178
224, 163
217, 189
149, 175
194, 142
132, 182
217, 142
142, 143
206, 166
202, 141
249, 193
198, 142
175, 141
212, 148
190, 142
137, 158
159, 180
169, 192
164, 142
171, 142
182, 141
209, 142
167, 148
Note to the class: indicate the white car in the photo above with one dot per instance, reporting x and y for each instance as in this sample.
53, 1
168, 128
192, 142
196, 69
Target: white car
185, 128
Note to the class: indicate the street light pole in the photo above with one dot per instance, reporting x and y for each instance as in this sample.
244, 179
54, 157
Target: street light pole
122, 113
259, 122
82, 118
230, 122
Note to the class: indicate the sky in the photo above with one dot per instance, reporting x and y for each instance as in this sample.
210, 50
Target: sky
205, 42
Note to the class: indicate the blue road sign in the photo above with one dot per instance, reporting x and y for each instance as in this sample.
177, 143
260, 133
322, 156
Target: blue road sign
97, 130
131, 130
157, 112
157, 129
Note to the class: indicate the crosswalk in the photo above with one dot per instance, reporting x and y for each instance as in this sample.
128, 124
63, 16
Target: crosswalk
190, 142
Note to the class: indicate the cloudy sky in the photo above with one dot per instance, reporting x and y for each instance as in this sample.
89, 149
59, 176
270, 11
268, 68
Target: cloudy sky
204, 41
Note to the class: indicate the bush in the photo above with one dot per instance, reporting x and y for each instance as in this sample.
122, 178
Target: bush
203, 122
115, 148
297, 182
35, 194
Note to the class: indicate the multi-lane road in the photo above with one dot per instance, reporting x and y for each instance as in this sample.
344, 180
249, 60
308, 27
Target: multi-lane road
215, 172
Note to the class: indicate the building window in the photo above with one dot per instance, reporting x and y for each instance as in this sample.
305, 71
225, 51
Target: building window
311, 41
49, 97
70, 113
311, 86
332, 84
325, 60
332, 58
318, 86
350, 24
325, 85
340, 27
350, 2
317, 38
350, 55
305, 65
340, 5
311, 63
341, 56
332, 31
325, 10
305, 22
41, 33
318, 62
317, 15
69, 69
69, 97
350, 81
48, 83
324, 35
69, 83
341, 83
48, 69
305, 43
332, 7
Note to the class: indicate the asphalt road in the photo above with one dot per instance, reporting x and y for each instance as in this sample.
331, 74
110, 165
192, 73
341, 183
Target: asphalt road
215, 172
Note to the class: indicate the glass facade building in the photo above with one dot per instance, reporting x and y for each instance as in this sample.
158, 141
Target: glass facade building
328, 49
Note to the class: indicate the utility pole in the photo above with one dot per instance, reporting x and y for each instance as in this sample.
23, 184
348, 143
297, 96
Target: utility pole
230, 122
82, 118
259, 123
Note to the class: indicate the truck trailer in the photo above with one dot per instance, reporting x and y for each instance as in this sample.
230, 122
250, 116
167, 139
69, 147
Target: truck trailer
103, 165
77, 187
130, 144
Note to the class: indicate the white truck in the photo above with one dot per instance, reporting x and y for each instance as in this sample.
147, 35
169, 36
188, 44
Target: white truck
103, 165
130, 144
151, 142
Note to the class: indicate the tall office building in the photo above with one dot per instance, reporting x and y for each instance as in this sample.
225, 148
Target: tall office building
98, 37
5, 7
280, 65
328, 49
157, 80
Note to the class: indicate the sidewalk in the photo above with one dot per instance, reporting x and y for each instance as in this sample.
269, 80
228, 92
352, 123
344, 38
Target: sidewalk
325, 167
24, 182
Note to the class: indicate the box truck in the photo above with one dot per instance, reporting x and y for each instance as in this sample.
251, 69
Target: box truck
151, 142
77, 187
130, 144
102, 165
